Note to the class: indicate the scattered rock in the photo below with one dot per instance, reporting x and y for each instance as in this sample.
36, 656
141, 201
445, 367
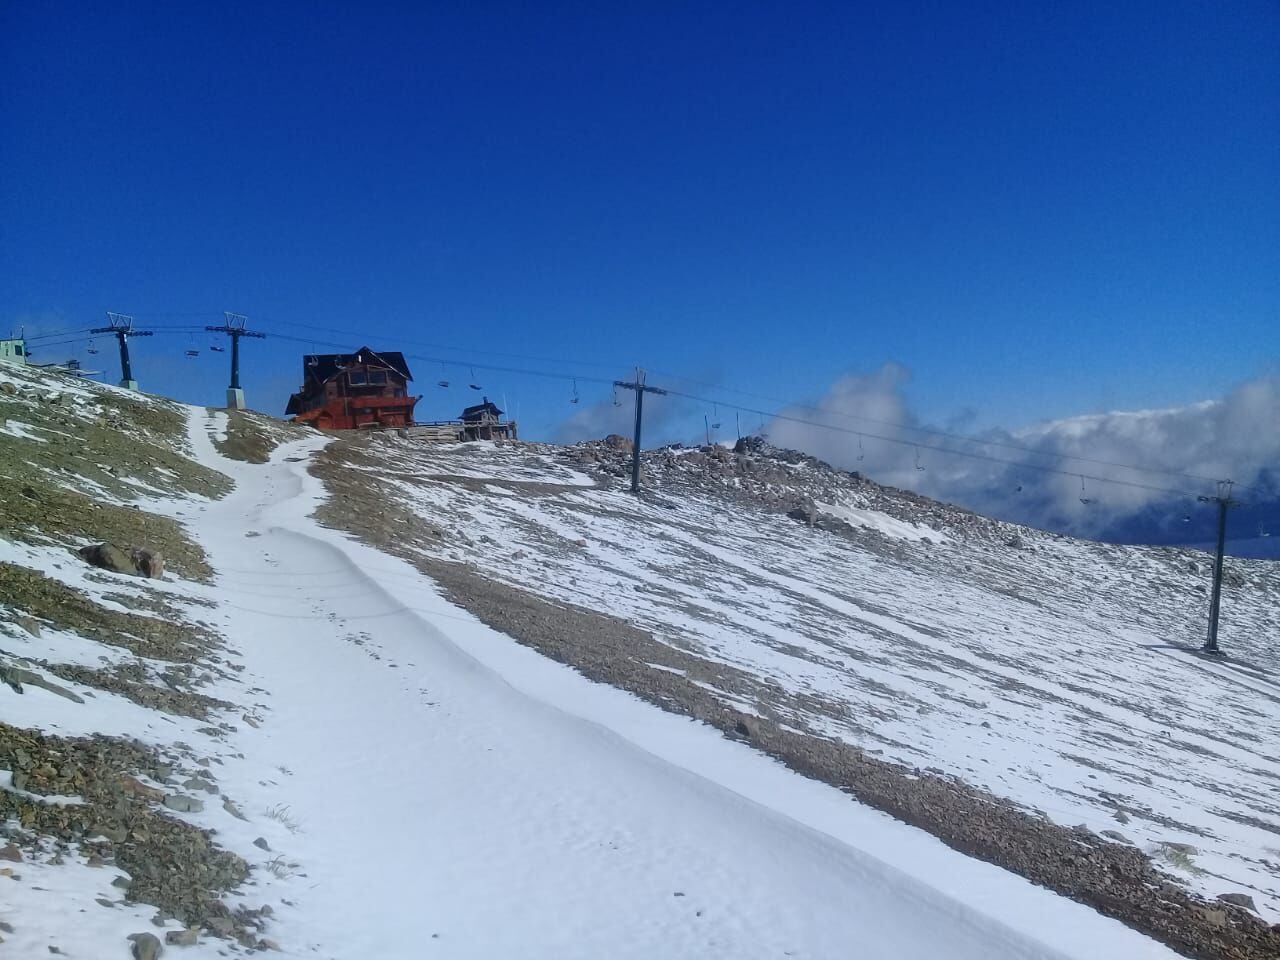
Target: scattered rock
1184, 848
15, 677
146, 946
134, 786
221, 926
1014, 543
1217, 918
1239, 900
619, 443
1120, 816
744, 729
261, 843
232, 809
8, 389
11, 852
183, 803
1115, 835
182, 938
149, 563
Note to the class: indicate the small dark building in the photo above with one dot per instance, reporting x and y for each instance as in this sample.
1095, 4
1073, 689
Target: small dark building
343, 391
484, 422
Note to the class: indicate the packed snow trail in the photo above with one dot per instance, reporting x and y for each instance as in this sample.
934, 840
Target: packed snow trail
439, 790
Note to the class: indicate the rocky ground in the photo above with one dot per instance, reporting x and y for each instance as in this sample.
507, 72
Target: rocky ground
1103, 869
93, 611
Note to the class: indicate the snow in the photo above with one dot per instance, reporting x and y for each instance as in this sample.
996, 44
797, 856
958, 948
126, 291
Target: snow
1058, 676
428, 787
457, 794
23, 431
874, 520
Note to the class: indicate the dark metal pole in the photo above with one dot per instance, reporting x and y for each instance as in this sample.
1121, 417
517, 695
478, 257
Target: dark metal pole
235, 359
126, 370
635, 453
1211, 644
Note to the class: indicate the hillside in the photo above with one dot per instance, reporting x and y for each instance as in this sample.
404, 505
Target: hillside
435, 701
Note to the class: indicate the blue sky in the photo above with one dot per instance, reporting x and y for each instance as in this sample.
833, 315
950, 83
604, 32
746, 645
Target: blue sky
1039, 212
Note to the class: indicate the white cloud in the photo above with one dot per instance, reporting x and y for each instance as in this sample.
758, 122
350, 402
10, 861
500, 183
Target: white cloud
1236, 436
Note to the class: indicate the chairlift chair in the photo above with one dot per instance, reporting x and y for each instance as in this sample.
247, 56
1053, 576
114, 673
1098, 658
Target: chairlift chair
1083, 499
574, 398
919, 465
217, 349
473, 385
192, 354
861, 454
442, 383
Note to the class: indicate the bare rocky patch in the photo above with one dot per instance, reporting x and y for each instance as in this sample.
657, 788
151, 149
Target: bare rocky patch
252, 437
119, 819
33, 595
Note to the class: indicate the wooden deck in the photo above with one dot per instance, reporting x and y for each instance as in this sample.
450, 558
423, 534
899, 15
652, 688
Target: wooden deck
452, 431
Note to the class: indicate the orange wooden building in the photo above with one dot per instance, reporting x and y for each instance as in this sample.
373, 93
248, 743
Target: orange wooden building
343, 391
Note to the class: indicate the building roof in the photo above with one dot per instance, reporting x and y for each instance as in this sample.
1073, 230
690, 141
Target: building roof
488, 406
325, 366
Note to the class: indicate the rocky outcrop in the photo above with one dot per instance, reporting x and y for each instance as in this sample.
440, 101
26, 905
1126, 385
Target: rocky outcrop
139, 561
108, 556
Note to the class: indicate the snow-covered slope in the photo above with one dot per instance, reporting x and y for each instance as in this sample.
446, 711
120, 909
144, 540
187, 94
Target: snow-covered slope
1058, 674
361, 766
458, 794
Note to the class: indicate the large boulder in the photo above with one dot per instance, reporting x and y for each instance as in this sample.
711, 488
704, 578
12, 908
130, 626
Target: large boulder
109, 557
1239, 900
146, 946
137, 562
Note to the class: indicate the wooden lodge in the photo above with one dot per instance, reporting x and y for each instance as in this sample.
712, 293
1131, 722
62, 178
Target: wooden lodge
346, 391
484, 422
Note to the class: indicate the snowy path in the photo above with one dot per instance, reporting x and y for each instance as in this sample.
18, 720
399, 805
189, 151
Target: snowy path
456, 795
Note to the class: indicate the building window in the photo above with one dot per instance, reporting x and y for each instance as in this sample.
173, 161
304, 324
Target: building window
17, 349
377, 377
357, 378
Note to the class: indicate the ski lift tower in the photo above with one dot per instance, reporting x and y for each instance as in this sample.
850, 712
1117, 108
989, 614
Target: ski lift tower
121, 327
234, 327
